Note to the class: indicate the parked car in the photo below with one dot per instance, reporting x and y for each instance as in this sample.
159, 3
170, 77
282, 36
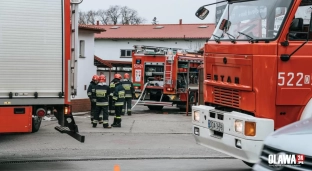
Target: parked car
294, 139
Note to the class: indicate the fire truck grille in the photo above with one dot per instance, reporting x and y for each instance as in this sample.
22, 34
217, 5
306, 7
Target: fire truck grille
209, 76
226, 97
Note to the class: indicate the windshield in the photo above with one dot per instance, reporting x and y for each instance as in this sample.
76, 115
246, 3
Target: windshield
258, 19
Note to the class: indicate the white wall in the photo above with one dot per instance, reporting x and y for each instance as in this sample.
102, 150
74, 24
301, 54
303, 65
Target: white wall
86, 68
110, 49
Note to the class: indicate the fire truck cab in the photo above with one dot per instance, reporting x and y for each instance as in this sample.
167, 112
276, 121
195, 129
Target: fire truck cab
257, 68
165, 76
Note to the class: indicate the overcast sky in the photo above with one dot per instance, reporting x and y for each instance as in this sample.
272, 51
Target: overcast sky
166, 11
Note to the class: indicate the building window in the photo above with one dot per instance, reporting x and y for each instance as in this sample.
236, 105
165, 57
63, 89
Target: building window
126, 53
82, 49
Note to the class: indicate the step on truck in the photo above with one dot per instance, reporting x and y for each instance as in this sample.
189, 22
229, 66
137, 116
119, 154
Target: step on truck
165, 76
257, 67
38, 45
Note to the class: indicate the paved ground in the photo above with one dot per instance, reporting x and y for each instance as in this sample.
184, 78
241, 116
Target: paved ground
131, 165
146, 141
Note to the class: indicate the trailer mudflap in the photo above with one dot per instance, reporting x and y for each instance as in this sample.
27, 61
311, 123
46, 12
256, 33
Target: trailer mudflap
70, 128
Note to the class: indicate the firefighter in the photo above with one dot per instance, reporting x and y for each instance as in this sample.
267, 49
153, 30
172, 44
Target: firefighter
111, 108
119, 99
102, 92
128, 86
91, 94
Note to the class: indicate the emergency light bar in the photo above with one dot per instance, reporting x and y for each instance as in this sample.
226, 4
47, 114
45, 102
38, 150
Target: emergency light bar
159, 49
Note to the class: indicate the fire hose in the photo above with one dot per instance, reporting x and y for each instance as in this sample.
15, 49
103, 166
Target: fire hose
140, 95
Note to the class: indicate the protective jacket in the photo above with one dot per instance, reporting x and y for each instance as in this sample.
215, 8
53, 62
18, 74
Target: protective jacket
129, 89
91, 91
102, 92
112, 87
119, 94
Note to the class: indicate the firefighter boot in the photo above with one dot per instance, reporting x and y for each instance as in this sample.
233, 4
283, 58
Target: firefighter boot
129, 113
114, 122
106, 125
117, 123
94, 123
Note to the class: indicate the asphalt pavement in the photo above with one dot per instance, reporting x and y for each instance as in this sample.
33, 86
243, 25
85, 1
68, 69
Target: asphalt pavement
158, 140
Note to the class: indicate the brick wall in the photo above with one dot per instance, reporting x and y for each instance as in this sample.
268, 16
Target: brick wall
81, 105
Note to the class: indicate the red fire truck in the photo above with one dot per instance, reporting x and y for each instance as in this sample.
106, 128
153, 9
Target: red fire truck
257, 68
165, 76
38, 41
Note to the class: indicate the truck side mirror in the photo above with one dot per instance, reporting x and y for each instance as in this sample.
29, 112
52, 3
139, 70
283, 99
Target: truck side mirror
202, 13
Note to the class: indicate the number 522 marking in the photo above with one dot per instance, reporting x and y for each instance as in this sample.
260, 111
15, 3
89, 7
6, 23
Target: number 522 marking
291, 78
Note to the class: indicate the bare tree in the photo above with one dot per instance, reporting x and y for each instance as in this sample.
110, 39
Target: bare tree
82, 18
103, 16
154, 21
138, 20
91, 17
130, 16
113, 13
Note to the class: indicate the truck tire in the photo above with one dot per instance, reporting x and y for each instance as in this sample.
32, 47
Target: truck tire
249, 164
155, 107
36, 122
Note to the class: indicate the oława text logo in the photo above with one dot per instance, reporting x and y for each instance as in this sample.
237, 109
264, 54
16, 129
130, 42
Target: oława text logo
282, 159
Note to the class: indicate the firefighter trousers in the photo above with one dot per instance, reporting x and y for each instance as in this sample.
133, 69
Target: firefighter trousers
111, 109
118, 110
93, 110
127, 105
100, 109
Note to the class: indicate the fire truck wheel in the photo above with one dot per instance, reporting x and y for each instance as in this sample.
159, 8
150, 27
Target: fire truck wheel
36, 122
155, 107
248, 164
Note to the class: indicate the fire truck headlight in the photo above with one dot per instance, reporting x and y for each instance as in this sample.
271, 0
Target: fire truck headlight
239, 126
196, 115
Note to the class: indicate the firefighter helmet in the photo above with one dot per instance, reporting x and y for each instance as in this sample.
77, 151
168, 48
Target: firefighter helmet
102, 79
118, 76
126, 76
95, 78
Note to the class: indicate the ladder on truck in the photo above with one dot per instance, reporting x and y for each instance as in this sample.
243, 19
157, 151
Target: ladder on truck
168, 68
74, 48
142, 49
67, 122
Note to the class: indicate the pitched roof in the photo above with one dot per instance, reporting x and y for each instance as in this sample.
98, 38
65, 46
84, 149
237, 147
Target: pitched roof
110, 63
100, 62
91, 28
159, 31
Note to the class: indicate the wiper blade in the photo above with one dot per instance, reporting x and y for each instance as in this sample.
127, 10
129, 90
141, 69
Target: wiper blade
231, 37
217, 38
250, 38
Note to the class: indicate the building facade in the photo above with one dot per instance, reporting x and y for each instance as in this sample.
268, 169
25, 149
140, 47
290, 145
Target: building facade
85, 67
117, 43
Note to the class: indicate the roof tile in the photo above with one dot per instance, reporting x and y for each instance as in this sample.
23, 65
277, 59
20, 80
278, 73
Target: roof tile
168, 31
91, 28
